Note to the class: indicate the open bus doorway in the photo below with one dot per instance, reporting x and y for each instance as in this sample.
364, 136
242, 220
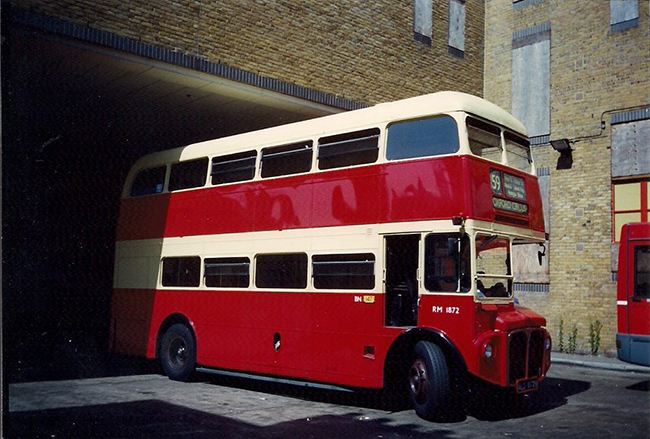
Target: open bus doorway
401, 286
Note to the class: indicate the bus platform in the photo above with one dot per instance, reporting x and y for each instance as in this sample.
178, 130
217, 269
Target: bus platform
597, 362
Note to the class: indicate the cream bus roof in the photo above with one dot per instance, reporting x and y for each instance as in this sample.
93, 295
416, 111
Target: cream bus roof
435, 103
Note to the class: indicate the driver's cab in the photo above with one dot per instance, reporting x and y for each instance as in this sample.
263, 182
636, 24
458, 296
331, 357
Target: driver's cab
463, 263
448, 266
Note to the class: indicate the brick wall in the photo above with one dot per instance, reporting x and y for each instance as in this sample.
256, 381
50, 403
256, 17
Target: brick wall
593, 71
363, 51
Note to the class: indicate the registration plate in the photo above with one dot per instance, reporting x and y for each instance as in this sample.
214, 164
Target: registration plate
524, 386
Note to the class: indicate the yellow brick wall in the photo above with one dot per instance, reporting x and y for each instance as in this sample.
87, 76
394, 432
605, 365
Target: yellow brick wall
363, 51
592, 71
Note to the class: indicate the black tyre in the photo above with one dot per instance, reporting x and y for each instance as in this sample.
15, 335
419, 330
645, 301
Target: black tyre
178, 352
429, 385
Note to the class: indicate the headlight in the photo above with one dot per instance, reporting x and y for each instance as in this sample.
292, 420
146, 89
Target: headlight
487, 350
547, 344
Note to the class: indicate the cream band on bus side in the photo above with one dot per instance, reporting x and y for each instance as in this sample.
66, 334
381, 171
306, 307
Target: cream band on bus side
138, 263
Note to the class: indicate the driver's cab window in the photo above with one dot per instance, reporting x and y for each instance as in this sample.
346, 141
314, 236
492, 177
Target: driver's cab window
493, 266
447, 263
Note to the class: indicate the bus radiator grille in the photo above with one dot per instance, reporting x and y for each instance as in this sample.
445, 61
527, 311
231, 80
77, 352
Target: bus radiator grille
525, 354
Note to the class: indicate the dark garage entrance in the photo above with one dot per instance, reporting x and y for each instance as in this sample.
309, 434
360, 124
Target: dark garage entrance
75, 117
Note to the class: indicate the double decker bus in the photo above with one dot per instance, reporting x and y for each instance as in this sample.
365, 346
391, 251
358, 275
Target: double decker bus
367, 249
633, 294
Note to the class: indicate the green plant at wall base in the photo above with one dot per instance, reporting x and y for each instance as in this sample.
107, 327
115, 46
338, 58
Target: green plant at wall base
560, 336
594, 336
571, 349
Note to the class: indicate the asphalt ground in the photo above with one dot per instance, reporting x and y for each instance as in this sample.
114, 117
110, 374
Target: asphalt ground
575, 401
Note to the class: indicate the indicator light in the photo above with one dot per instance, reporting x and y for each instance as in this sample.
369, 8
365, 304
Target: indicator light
487, 350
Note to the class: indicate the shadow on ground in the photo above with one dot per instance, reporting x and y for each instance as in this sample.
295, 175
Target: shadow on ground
497, 405
484, 403
153, 418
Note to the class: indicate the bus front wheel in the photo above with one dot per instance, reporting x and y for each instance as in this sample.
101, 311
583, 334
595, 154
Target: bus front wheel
178, 352
429, 385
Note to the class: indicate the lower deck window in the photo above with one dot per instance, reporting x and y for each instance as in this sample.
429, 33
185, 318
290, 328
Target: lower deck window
181, 272
281, 271
447, 263
227, 272
347, 272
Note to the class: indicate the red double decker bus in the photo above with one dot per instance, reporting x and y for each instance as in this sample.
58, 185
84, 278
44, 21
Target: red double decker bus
365, 249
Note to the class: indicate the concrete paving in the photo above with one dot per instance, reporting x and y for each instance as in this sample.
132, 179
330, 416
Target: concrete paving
597, 362
573, 402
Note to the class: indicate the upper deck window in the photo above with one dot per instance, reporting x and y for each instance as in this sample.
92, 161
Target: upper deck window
484, 139
518, 152
190, 174
287, 159
348, 149
149, 181
422, 138
234, 167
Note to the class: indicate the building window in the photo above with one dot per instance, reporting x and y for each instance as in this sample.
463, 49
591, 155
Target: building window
631, 201
531, 78
422, 10
623, 14
456, 41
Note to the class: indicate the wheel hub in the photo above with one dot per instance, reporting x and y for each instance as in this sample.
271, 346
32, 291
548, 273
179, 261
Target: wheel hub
418, 381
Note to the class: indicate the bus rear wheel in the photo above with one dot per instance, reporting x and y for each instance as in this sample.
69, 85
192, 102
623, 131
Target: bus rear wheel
178, 352
429, 385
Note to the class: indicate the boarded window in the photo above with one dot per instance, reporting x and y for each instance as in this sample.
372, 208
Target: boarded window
181, 272
233, 167
422, 138
456, 39
346, 272
631, 148
227, 272
348, 149
422, 10
287, 159
281, 271
531, 79
190, 174
623, 14
149, 181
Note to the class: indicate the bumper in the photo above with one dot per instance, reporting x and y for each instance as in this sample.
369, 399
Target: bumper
633, 348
